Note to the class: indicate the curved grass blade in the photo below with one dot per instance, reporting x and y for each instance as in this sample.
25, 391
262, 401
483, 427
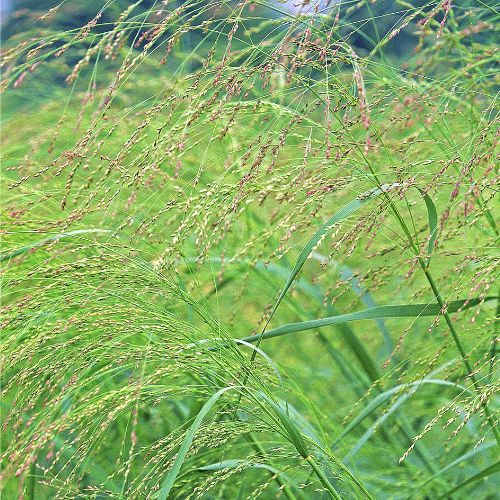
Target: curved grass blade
388, 413
293, 433
459, 460
347, 334
291, 430
298, 442
384, 396
271, 363
183, 450
46, 241
231, 464
339, 216
433, 219
295, 436
343, 214
492, 469
326, 229
392, 311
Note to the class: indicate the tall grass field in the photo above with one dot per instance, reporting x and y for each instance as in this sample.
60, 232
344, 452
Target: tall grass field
250, 249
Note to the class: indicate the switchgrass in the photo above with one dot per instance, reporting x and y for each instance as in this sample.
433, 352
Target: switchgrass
249, 251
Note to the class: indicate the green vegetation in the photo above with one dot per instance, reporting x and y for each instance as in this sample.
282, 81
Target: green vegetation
249, 252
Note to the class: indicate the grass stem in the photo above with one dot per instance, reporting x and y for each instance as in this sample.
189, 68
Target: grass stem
324, 480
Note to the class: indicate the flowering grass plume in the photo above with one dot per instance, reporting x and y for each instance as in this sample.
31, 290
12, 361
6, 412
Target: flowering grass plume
250, 250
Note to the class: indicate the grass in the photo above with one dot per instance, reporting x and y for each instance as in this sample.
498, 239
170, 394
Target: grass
251, 253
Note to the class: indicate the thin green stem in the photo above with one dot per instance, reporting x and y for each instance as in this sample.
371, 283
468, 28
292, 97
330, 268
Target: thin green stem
260, 450
425, 267
32, 481
461, 350
324, 480
494, 341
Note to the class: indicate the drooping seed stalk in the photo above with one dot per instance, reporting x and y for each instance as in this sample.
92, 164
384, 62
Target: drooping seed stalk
425, 267
456, 337
460, 347
424, 264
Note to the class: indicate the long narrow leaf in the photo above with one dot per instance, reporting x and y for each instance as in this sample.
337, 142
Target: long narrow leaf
343, 214
183, 450
234, 463
293, 432
392, 311
46, 241
384, 396
492, 469
231, 464
459, 460
433, 219
326, 229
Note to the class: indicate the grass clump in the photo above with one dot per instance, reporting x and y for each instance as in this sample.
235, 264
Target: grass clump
248, 250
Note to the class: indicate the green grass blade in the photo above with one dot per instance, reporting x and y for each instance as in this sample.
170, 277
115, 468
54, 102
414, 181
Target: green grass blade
433, 219
293, 433
366, 297
392, 311
183, 450
386, 395
231, 464
46, 241
492, 469
459, 460
295, 436
326, 229
343, 214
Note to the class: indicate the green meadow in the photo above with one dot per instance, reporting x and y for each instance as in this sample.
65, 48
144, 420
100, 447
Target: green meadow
250, 250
